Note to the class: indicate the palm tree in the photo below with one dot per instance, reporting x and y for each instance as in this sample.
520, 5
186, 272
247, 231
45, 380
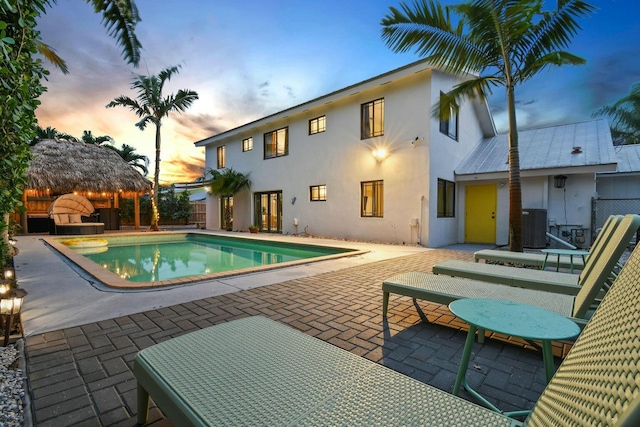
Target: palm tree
51, 133
89, 138
119, 17
227, 184
152, 108
129, 155
625, 117
495, 43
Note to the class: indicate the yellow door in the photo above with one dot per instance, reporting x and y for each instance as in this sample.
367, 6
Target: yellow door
480, 213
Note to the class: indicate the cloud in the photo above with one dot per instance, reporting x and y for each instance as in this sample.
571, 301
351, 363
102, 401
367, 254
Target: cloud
599, 84
183, 167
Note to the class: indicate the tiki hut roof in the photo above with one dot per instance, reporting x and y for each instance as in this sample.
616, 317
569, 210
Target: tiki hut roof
63, 167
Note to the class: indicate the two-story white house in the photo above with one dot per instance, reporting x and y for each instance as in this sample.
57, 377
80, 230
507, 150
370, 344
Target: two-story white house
367, 162
372, 162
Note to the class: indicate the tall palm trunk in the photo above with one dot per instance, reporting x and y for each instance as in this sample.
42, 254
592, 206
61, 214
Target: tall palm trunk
155, 213
515, 186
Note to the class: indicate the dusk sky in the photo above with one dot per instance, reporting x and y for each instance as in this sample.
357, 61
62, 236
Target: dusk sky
250, 58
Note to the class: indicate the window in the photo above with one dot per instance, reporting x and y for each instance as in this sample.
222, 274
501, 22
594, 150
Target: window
371, 201
221, 157
318, 193
446, 198
247, 144
449, 126
317, 125
372, 119
276, 143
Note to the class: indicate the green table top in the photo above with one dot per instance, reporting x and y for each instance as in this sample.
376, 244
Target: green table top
512, 318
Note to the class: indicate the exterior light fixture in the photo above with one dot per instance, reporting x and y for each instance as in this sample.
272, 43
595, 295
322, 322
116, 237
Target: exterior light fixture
559, 181
10, 305
8, 273
380, 154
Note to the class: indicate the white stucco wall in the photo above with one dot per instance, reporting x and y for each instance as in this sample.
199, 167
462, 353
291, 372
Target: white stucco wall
446, 154
339, 159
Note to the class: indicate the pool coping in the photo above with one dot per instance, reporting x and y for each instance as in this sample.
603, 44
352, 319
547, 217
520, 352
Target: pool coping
112, 280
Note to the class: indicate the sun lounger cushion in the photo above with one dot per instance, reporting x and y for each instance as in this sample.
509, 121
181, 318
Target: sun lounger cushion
256, 371
534, 260
550, 281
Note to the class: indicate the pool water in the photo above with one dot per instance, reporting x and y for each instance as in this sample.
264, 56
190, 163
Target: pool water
187, 255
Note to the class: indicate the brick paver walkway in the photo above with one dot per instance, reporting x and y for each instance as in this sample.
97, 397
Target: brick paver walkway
82, 376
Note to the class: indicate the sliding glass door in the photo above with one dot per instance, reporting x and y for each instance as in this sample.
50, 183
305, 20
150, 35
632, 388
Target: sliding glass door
268, 211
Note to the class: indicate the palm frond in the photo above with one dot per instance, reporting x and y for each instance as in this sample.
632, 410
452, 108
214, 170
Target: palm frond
120, 18
50, 55
429, 31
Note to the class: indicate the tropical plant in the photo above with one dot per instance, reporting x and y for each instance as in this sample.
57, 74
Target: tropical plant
494, 43
151, 107
176, 206
89, 138
20, 74
227, 184
129, 155
624, 117
51, 133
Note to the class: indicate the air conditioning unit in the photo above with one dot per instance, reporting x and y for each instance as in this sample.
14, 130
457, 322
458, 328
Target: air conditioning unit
534, 228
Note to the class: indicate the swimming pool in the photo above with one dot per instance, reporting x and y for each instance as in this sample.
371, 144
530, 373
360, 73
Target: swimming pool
149, 260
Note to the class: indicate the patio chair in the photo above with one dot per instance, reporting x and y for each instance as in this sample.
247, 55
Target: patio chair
538, 260
256, 370
547, 280
567, 299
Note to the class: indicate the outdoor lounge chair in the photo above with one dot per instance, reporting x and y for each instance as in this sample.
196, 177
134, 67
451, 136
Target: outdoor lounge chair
538, 260
546, 280
567, 299
259, 371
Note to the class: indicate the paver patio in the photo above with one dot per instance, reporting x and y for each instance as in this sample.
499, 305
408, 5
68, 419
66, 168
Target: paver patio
82, 376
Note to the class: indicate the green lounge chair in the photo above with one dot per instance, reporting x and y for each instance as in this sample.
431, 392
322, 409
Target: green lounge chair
538, 260
258, 371
568, 299
547, 280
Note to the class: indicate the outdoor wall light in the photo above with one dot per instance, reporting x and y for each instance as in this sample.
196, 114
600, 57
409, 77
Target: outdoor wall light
559, 181
8, 273
10, 305
380, 154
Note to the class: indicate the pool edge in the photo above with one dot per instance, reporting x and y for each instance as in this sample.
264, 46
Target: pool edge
112, 280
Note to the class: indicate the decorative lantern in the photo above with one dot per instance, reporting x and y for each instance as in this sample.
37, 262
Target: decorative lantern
10, 305
8, 273
559, 181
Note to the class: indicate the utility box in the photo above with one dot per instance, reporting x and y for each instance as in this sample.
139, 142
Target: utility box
534, 228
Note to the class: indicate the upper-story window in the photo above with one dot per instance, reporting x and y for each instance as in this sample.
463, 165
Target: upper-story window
317, 125
247, 144
318, 193
221, 157
372, 119
276, 143
449, 126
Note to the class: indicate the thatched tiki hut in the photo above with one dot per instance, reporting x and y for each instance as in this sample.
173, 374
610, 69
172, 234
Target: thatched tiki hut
59, 167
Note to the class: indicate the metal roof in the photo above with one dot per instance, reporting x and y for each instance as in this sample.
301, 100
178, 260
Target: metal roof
628, 158
556, 147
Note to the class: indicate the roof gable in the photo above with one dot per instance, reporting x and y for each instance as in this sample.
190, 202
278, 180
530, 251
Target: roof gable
481, 106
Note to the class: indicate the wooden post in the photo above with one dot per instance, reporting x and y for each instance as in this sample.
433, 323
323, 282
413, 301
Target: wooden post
136, 211
23, 215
